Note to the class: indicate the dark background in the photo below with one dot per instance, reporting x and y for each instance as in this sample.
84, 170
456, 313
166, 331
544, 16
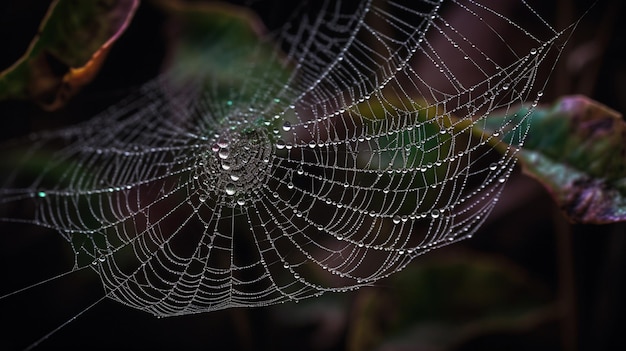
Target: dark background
581, 267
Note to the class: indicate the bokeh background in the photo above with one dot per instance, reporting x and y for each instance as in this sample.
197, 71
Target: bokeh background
529, 280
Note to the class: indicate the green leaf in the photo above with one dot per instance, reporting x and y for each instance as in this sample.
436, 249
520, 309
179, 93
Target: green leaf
73, 41
222, 47
577, 150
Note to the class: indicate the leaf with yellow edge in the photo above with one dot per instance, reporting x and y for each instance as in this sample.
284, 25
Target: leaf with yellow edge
72, 43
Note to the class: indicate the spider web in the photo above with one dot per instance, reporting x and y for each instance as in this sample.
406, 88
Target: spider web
199, 194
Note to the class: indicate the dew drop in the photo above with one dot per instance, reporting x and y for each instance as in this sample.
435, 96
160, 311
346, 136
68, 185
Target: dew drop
223, 143
230, 189
223, 153
493, 166
396, 219
41, 194
241, 202
435, 213
286, 126
280, 144
202, 197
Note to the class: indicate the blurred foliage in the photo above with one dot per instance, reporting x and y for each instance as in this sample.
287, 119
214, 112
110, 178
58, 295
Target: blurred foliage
72, 43
443, 301
577, 149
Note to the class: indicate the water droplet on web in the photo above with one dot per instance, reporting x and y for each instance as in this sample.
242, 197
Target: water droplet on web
234, 177
300, 171
493, 166
224, 153
202, 197
312, 144
396, 219
290, 185
280, 144
435, 213
215, 148
230, 189
225, 166
533, 51
241, 202
41, 194
286, 126
223, 143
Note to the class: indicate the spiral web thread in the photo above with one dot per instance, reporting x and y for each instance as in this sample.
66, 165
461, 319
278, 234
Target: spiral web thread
188, 198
